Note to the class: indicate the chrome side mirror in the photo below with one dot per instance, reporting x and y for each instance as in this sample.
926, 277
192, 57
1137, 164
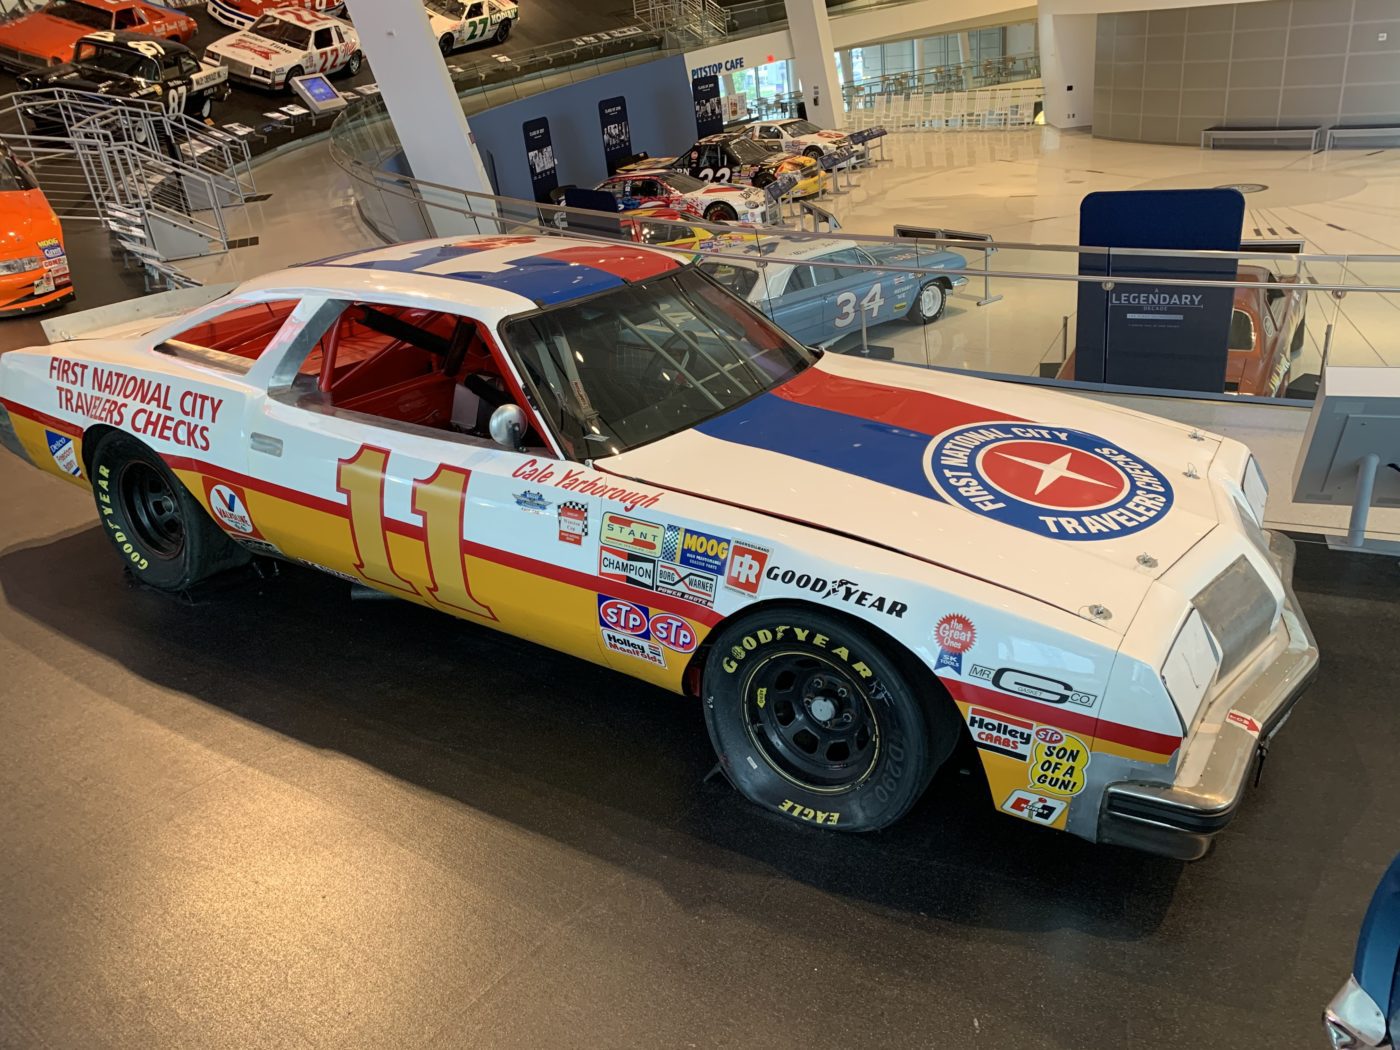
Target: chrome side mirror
508, 426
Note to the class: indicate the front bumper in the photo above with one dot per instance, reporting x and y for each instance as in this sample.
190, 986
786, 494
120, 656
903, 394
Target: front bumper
1179, 819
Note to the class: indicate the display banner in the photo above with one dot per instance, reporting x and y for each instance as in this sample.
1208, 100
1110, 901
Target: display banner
617, 132
539, 153
709, 110
1166, 336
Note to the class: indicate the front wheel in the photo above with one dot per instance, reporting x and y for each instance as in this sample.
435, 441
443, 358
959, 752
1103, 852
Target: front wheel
158, 529
502, 31
929, 306
352, 67
813, 151
721, 212
811, 719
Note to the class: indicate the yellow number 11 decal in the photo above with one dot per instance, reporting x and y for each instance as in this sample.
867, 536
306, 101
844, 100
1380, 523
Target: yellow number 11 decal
441, 501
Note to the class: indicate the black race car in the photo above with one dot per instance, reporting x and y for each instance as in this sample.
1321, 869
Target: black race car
737, 158
135, 66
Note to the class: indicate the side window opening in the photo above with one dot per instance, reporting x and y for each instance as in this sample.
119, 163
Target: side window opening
233, 340
1241, 331
323, 39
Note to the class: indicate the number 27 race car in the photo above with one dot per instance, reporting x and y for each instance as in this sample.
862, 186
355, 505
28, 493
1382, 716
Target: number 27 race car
852, 565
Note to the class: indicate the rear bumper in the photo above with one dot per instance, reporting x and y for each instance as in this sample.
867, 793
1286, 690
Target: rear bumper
1179, 819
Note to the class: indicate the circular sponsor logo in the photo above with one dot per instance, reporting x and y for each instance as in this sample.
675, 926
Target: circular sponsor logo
1061, 483
955, 634
1048, 735
230, 509
673, 632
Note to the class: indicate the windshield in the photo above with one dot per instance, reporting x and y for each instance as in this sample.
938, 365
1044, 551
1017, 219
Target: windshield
749, 151
683, 183
446, 8
72, 11
116, 60
630, 366
802, 127
270, 27
14, 175
738, 279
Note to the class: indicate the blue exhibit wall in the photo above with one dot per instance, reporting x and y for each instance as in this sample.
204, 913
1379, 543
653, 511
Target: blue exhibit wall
659, 107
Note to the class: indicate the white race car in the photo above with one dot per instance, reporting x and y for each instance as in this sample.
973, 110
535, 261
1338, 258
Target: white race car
285, 43
792, 135
711, 201
457, 23
852, 565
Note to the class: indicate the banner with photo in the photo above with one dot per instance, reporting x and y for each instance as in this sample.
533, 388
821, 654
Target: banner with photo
617, 132
539, 154
709, 110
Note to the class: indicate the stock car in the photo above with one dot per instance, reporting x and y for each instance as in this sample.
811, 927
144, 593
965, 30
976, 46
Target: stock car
457, 23
666, 228
794, 135
240, 14
130, 65
47, 36
854, 566
1267, 329
34, 271
286, 43
663, 187
818, 290
736, 159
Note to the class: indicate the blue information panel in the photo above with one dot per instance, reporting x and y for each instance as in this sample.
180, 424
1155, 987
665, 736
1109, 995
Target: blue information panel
1166, 336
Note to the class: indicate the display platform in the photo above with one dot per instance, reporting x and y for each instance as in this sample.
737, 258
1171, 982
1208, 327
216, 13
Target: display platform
283, 816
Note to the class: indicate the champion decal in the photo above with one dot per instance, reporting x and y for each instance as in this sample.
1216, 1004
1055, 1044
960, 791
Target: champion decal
1060, 483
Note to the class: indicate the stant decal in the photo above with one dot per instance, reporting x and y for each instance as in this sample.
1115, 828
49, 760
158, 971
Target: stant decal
1030, 806
1001, 734
955, 635
623, 530
1058, 762
63, 453
1061, 483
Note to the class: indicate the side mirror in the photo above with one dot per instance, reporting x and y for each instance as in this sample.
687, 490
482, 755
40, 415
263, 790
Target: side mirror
508, 426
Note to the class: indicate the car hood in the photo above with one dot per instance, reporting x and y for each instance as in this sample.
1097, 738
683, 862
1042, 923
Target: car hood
959, 472
41, 34
79, 78
25, 220
249, 47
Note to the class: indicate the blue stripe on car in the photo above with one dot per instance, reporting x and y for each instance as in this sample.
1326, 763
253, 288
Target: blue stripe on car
543, 280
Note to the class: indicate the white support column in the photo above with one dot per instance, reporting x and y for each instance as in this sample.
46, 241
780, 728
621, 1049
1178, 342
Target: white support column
423, 104
814, 58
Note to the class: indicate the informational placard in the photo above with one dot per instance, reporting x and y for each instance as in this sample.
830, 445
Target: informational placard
709, 110
539, 154
1170, 336
617, 131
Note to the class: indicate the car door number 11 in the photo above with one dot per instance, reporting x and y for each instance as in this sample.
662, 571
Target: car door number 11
870, 303
440, 500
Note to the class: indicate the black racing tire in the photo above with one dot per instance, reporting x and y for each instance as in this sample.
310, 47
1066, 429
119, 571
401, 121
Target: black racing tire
292, 74
204, 110
763, 178
930, 303
813, 719
157, 528
721, 212
502, 31
815, 152
446, 44
352, 68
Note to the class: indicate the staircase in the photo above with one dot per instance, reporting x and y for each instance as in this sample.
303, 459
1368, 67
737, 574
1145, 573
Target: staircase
686, 23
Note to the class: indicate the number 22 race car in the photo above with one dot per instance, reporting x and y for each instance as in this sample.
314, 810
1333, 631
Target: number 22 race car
852, 565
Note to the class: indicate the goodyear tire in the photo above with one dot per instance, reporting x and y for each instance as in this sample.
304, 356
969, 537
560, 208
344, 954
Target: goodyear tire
156, 527
813, 151
930, 303
502, 31
812, 720
721, 212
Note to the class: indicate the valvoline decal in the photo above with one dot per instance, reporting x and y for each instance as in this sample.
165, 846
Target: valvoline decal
617, 614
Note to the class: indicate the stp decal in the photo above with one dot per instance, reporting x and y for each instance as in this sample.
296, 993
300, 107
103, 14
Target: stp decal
1061, 483
1058, 762
627, 629
1030, 806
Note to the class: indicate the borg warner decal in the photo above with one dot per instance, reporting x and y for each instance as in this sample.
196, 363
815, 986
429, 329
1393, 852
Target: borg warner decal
848, 592
631, 629
1061, 483
673, 560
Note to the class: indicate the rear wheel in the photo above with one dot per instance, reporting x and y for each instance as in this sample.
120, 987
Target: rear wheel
813, 151
353, 66
811, 719
157, 528
721, 212
446, 44
502, 31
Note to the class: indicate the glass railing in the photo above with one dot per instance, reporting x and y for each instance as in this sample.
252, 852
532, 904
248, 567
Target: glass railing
1262, 326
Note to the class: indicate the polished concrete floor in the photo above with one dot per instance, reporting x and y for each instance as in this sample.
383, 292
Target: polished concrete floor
283, 818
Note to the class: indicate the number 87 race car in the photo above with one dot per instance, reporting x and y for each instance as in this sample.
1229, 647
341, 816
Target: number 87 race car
852, 565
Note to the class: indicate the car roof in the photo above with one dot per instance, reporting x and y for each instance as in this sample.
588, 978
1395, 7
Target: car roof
496, 275
302, 16
791, 247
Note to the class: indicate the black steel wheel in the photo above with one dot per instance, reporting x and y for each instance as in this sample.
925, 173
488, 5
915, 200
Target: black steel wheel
162, 534
814, 719
721, 212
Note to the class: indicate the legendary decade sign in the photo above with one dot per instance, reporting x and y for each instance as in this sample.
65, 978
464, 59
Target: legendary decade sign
1061, 483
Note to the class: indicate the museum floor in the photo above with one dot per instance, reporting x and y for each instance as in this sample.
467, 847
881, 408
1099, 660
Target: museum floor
282, 818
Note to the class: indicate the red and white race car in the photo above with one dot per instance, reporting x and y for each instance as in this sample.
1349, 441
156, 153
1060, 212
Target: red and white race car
711, 201
285, 43
853, 566
793, 135
240, 14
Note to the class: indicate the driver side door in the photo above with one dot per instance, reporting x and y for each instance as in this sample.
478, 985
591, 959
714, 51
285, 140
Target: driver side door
369, 463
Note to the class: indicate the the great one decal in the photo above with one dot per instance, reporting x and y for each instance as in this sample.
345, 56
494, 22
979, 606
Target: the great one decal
1061, 483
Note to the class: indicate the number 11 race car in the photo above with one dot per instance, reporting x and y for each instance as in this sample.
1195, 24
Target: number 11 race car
852, 565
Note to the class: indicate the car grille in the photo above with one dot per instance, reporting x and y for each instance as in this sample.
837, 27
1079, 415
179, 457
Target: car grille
236, 68
12, 57
1238, 608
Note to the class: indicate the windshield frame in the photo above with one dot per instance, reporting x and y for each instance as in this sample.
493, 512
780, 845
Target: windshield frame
758, 154
798, 122
527, 384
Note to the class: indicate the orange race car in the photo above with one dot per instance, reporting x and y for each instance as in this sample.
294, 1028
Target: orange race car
47, 37
33, 267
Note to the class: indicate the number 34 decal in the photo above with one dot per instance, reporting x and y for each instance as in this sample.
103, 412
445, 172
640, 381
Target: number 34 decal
846, 304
